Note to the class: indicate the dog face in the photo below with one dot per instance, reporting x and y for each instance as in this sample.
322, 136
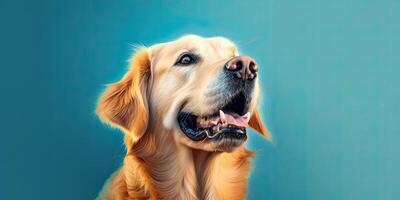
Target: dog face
198, 89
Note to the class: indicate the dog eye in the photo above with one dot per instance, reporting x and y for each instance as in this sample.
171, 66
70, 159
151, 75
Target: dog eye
186, 59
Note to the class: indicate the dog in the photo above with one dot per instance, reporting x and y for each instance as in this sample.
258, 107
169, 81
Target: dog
184, 107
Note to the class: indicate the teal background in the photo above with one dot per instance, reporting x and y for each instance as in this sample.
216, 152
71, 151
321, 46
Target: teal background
329, 71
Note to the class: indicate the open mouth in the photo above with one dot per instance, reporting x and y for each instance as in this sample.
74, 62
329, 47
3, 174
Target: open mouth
230, 121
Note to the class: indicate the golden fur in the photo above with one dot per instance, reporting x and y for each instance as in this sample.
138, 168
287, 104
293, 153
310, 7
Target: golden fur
161, 162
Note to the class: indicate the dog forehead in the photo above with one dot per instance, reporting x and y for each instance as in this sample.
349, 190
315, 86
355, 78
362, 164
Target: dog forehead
194, 43
222, 43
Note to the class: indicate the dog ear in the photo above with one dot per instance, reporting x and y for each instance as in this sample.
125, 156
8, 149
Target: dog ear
257, 124
124, 104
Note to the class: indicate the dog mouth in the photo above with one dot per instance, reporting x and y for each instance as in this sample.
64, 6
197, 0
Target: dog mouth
228, 122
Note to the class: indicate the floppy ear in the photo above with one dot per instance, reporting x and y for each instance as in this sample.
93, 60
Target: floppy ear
257, 124
124, 104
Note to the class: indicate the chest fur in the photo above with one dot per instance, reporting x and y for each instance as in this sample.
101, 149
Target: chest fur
197, 175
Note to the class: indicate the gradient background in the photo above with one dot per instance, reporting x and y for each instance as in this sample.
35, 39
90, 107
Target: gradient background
330, 77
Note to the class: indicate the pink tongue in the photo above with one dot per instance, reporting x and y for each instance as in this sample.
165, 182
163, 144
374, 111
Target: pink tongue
237, 120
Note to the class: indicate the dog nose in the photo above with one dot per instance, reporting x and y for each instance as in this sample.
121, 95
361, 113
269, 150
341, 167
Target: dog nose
242, 67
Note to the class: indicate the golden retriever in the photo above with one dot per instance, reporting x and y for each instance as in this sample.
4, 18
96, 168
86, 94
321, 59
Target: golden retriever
184, 107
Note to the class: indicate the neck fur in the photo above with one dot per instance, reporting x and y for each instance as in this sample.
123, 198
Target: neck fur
169, 170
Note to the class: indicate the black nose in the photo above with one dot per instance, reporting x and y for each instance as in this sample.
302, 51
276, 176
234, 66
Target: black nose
242, 67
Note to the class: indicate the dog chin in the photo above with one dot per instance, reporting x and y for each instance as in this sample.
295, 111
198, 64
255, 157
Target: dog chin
227, 145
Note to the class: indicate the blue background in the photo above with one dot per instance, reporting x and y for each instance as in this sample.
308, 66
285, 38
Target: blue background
329, 70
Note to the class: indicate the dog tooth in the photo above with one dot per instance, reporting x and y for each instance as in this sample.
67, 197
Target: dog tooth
222, 116
247, 117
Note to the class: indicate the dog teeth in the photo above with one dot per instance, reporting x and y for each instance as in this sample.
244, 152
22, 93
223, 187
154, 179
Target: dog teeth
246, 117
219, 121
222, 117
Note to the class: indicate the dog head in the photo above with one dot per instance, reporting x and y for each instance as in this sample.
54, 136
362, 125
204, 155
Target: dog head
201, 90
